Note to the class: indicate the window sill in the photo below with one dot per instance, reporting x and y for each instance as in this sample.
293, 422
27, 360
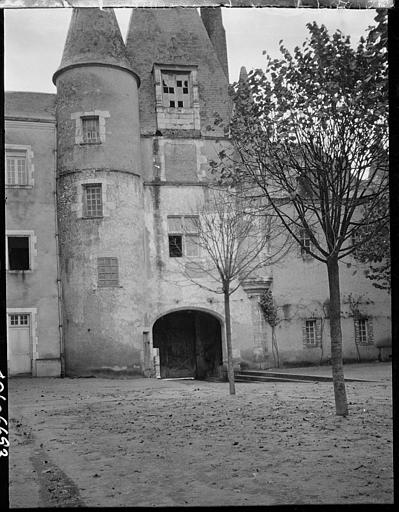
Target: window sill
89, 143
107, 287
18, 186
94, 217
29, 271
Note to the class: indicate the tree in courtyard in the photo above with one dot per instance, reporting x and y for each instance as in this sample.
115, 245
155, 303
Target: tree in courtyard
311, 133
229, 241
375, 252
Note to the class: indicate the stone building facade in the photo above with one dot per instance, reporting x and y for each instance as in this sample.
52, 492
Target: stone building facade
102, 177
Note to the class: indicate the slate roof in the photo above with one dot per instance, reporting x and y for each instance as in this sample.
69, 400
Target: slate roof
32, 105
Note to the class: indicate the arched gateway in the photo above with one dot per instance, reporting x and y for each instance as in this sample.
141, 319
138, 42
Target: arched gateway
190, 344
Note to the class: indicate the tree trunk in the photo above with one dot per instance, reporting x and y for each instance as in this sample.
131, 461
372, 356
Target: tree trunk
275, 348
341, 404
230, 368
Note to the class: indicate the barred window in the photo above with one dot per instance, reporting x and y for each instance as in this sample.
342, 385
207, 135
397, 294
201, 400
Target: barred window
312, 332
108, 272
16, 168
183, 235
91, 129
363, 331
93, 201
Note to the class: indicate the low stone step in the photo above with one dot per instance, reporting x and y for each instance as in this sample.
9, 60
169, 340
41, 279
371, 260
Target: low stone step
282, 376
264, 378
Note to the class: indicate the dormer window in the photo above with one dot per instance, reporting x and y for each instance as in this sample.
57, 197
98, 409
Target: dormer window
176, 90
177, 100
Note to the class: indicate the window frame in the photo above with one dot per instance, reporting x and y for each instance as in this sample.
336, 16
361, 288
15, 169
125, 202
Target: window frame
184, 233
85, 131
85, 209
32, 253
104, 263
15, 152
315, 340
363, 337
305, 244
186, 117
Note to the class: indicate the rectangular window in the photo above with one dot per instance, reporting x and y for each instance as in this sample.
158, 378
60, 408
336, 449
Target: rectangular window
91, 129
306, 244
362, 331
93, 200
175, 246
312, 332
108, 272
175, 89
16, 168
310, 326
18, 252
183, 236
19, 320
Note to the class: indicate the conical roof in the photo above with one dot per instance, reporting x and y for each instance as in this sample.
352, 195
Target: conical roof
175, 36
94, 37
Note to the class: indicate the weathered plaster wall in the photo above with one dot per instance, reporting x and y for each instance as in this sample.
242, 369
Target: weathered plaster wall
103, 325
92, 88
33, 209
300, 288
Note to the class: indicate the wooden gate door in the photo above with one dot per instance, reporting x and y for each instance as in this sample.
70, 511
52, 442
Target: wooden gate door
19, 344
174, 334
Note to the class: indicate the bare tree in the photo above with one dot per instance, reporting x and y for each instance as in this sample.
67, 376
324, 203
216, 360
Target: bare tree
232, 238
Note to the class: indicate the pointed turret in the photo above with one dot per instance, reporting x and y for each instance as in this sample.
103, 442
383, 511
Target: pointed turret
94, 37
212, 19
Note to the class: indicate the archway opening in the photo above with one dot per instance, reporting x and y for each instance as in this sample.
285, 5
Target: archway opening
190, 344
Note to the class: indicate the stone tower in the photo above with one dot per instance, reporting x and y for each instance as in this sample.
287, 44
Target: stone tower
100, 197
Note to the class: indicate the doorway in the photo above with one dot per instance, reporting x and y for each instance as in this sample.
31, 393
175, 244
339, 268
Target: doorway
19, 344
190, 344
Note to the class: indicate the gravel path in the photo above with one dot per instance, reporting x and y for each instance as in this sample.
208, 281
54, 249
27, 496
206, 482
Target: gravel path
147, 442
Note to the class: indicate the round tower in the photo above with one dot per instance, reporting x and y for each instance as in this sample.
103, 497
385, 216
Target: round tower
100, 198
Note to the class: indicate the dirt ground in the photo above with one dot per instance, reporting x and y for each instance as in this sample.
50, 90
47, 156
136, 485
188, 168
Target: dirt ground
147, 442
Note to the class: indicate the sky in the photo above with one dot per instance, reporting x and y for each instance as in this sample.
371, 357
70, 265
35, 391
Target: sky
34, 38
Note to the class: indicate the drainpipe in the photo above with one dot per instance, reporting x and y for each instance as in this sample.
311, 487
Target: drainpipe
59, 284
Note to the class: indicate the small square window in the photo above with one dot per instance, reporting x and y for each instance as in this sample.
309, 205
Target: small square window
91, 129
179, 83
175, 246
171, 103
93, 202
18, 252
180, 104
108, 272
16, 168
